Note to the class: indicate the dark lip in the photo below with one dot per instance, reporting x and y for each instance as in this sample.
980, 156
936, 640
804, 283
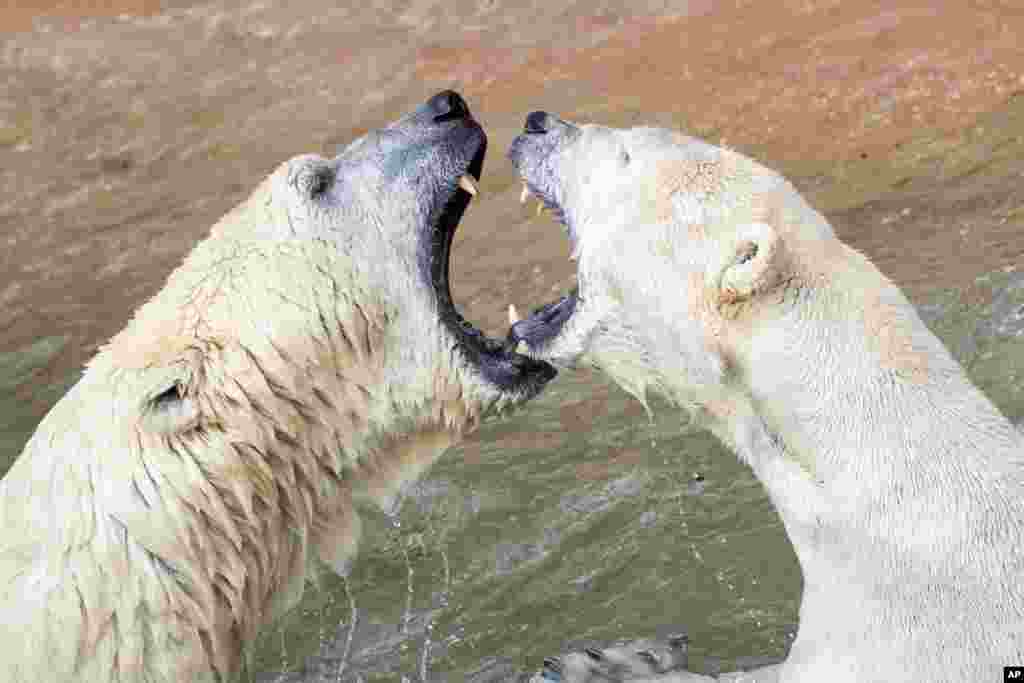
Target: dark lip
497, 363
531, 150
546, 321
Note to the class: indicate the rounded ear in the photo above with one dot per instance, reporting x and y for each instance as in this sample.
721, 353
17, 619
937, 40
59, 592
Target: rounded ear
311, 175
753, 264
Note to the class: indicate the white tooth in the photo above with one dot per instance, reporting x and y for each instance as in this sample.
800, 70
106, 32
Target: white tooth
513, 315
540, 209
521, 348
525, 194
467, 183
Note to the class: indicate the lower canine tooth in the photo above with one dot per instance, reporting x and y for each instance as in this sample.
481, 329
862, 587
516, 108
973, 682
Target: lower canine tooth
467, 183
540, 209
525, 194
513, 315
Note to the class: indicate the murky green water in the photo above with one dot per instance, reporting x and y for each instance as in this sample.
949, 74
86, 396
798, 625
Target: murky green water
590, 533
23, 393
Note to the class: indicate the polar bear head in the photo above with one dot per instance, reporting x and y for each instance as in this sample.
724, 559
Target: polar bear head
701, 273
345, 257
671, 245
390, 203
316, 323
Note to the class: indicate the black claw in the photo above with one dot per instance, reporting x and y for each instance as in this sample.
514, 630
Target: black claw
594, 654
553, 664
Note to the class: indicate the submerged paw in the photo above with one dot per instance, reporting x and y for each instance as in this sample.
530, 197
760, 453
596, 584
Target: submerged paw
618, 663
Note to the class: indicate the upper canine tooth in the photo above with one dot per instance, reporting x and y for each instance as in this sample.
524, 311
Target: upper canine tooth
521, 348
467, 183
525, 194
513, 315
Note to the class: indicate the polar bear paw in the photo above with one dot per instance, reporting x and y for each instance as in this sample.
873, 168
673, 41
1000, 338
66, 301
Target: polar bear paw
627, 661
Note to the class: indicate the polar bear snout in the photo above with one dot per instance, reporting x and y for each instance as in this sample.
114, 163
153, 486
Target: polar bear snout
447, 105
444, 113
541, 122
538, 154
542, 134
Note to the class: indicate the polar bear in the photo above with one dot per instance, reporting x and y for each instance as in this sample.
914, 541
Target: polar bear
305, 355
705, 277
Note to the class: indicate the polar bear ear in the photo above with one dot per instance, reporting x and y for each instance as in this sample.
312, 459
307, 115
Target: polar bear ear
170, 411
752, 264
311, 175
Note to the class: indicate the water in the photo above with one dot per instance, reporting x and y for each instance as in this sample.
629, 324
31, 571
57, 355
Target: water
577, 526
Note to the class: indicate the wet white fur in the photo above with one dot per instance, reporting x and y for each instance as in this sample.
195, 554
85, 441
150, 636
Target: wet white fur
146, 539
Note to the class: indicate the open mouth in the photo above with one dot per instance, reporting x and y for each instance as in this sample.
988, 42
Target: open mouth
497, 361
531, 154
533, 333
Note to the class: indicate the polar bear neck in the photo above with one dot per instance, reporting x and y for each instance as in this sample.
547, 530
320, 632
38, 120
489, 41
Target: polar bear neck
862, 393
897, 480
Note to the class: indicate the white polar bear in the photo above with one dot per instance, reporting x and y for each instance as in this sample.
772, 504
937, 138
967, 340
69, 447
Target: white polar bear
307, 353
705, 277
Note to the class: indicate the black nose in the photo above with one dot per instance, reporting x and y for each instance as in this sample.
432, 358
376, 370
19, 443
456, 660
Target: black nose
538, 122
447, 105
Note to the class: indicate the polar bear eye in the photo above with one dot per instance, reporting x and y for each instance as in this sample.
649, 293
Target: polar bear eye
171, 411
624, 157
322, 180
746, 253
168, 397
